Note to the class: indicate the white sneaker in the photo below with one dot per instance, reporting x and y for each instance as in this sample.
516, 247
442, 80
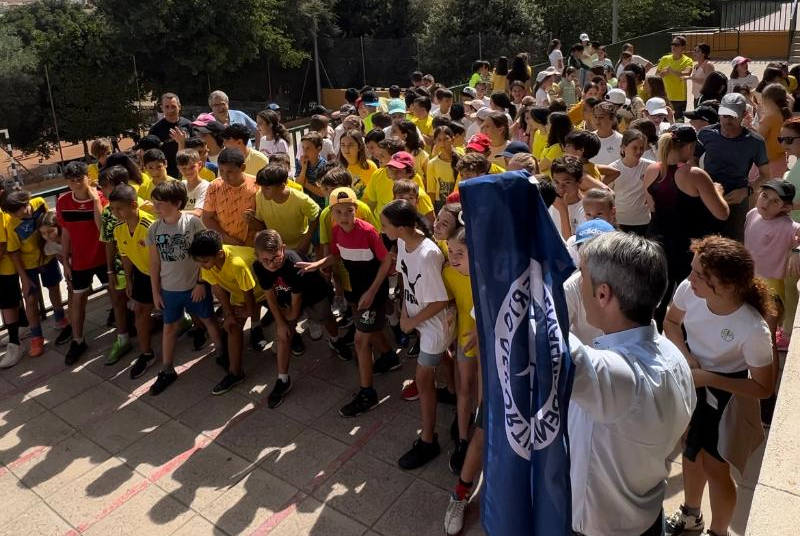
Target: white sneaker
681, 522
314, 330
339, 305
13, 355
454, 517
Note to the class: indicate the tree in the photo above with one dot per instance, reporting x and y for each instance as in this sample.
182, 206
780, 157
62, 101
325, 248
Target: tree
380, 18
455, 34
179, 40
92, 84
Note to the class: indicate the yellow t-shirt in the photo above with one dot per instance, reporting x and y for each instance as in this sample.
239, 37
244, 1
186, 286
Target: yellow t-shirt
440, 179
592, 170
424, 125
551, 153
421, 162
459, 289
499, 83
255, 162
146, 189
363, 212
539, 144
289, 218
361, 176
235, 276
23, 235
380, 191
206, 174
93, 172
134, 245
442, 244
674, 85
575, 113
6, 264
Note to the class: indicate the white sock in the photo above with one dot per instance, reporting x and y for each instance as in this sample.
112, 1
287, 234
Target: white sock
123, 338
79, 340
283, 377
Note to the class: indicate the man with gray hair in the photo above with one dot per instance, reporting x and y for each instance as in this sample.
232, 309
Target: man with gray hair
220, 109
632, 395
166, 127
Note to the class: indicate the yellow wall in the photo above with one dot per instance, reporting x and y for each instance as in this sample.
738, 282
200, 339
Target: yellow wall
754, 45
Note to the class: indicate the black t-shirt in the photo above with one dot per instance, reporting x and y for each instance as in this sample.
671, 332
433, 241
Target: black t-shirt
169, 146
287, 280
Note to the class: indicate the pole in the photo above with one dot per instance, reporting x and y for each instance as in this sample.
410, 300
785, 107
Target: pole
53, 111
480, 46
269, 82
138, 93
614, 21
316, 64
363, 61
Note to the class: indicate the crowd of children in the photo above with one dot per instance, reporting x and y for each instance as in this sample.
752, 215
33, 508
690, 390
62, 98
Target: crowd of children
360, 235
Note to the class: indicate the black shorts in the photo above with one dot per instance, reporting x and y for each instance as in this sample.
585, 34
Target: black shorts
141, 290
371, 320
82, 279
10, 294
703, 431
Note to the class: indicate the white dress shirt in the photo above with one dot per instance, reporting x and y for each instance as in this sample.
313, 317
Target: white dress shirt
632, 399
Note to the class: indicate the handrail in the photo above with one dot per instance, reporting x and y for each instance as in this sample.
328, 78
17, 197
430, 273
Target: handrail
792, 30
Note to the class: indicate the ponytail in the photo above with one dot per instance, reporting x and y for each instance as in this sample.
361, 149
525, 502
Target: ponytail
776, 94
665, 147
401, 213
757, 296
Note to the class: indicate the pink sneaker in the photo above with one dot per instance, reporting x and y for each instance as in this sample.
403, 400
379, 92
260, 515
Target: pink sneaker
781, 341
410, 392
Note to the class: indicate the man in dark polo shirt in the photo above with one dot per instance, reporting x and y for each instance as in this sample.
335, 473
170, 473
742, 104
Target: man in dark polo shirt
730, 152
171, 107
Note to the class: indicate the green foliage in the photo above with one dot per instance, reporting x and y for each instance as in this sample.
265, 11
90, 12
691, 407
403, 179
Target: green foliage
184, 38
449, 41
380, 18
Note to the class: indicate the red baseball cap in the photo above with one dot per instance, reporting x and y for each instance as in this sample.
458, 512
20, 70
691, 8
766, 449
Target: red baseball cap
402, 160
480, 143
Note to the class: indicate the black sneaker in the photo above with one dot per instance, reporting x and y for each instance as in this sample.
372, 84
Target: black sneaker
445, 397
164, 380
227, 383
413, 351
267, 319
457, 458
350, 336
341, 348
420, 454
454, 428
386, 363
297, 344
75, 352
257, 339
221, 358
141, 364
279, 392
365, 400
199, 337
65, 335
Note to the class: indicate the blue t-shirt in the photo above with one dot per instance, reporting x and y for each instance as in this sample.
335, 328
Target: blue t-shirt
729, 160
312, 176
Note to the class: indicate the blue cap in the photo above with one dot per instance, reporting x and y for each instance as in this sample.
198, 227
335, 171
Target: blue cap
516, 147
273, 106
590, 229
397, 106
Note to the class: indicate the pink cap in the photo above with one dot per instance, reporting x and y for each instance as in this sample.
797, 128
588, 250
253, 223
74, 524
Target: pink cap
203, 119
401, 160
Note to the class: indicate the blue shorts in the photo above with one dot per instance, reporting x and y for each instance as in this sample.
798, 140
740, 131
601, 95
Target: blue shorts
178, 302
47, 275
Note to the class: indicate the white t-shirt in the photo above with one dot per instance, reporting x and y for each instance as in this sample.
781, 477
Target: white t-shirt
750, 81
576, 216
196, 198
275, 146
638, 60
555, 56
542, 98
578, 325
729, 343
609, 149
422, 285
651, 154
629, 193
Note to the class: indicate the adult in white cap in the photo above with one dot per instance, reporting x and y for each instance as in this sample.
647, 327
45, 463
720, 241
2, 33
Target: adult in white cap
674, 68
741, 75
588, 50
730, 152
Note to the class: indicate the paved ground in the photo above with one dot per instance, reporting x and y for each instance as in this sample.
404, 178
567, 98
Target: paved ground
87, 450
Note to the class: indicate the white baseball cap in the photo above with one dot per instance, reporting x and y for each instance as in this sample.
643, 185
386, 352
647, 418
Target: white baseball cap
618, 97
584, 37
656, 106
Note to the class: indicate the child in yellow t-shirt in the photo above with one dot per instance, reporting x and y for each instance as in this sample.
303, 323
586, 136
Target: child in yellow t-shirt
440, 177
228, 269
353, 155
401, 167
100, 149
35, 269
130, 235
155, 163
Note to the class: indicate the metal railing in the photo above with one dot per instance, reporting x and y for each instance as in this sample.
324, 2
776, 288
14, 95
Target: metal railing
792, 29
755, 15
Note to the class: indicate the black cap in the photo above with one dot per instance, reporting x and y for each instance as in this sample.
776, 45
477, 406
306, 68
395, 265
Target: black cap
212, 127
683, 133
151, 141
319, 109
784, 189
706, 113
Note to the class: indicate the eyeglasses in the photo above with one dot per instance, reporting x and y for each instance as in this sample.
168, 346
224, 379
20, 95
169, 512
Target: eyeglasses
787, 139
